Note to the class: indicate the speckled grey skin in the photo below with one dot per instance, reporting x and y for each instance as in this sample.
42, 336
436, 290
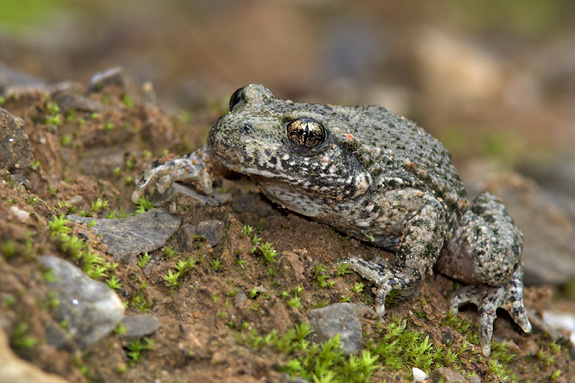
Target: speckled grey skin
375, 176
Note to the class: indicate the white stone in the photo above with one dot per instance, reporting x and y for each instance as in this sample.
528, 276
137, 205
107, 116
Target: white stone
561, 320
418, 375
20, 215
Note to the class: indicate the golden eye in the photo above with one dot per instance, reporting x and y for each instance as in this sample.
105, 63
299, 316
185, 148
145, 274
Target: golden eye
306, 132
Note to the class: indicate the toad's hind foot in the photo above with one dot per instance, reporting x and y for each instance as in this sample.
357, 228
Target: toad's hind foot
488, 299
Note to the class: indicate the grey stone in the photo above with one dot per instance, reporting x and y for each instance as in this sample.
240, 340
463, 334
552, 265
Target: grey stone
136, 234
295, 379
447, 376
339, 318
59, 338
112, 76
185, 237
213, 231
138, 326
10, 77
15, 151
549, 250
75, 200
67, 100
90, 309
240, 299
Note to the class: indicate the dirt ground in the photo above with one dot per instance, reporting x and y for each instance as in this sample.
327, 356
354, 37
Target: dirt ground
232, 290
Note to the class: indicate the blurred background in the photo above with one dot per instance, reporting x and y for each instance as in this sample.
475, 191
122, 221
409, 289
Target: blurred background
492, 80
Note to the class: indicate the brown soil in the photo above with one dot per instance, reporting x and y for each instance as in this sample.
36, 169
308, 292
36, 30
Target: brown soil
201, 317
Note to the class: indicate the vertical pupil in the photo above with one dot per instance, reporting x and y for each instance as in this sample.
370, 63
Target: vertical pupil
305, 132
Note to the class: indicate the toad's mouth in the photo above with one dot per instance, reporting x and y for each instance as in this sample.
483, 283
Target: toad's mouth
256, 171
300, 180
273, 182
251, 160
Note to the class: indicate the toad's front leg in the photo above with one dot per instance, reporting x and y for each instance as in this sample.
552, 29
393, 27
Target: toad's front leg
192, 167
421, 241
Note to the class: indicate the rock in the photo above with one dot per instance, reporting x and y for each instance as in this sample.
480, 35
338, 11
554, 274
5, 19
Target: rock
10, 77
295, 379
138, 326
136, 234
148, 93
418, 374
548, 250
18, 214
240, 300
561, 321
213, 231
540, 326
556, 179
293, 265
339, 318
90, 309
67, 100
75, 200
447, 376
15, 151
185, 237
58, 338
15, 370
112, 76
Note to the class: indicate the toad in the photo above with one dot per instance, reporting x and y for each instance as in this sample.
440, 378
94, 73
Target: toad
373, 175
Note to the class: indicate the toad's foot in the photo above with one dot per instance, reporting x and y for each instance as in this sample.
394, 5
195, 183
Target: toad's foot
191, 167
508, 296
375, 273
384, 276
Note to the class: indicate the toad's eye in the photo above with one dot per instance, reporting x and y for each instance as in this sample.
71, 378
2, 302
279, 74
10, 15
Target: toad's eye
306, 132
236, 98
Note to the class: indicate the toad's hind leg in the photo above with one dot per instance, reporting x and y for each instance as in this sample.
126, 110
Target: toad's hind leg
485, 251
419, 247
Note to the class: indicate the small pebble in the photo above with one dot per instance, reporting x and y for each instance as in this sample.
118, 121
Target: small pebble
140, 325
113, 76
418, 375
19, 215
213, 231
339, 318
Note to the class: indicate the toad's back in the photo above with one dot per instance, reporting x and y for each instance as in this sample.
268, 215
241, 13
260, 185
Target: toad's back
398, 153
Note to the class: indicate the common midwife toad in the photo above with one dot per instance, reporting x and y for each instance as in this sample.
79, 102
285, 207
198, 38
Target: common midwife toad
375, 176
